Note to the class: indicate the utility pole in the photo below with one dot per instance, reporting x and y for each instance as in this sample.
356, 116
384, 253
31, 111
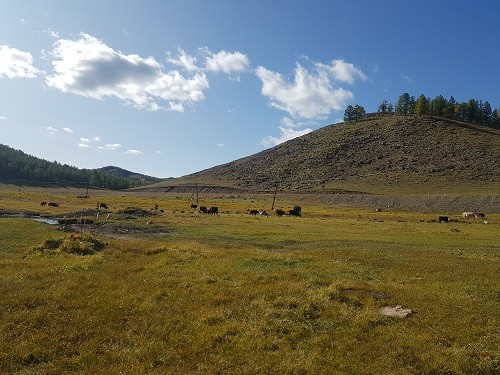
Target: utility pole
274, 198
196, 192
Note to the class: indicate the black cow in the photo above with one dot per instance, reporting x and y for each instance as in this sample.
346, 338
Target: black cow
253, 212
294, 212
444, 218
297, 208
43, 203
194, 206
213, 210
103, 205
52, 204
202, 209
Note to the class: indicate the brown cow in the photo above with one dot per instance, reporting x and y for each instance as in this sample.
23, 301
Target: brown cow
279, 212
43, 203
52, 204
202, 209
253, 212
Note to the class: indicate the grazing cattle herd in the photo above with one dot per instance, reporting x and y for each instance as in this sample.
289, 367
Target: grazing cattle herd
214, 210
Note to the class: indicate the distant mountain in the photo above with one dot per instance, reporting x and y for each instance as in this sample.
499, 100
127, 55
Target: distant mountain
123, 173
18, 167
378, 154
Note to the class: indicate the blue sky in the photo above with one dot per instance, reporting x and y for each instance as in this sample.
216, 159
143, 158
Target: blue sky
169, 88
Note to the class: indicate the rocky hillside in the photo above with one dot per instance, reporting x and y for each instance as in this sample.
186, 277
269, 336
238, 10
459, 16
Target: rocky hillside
414, 153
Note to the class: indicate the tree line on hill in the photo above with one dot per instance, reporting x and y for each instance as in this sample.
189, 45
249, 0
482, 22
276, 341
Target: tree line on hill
474, 111
18, 167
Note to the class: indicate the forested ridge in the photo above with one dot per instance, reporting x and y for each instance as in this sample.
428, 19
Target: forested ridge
19, 167
473, 111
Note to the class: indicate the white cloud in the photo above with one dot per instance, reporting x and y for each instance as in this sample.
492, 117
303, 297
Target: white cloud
178, 107
406, 78
16, 64
3, 118
110, 147
89, 140
158, 152
133, 152
310, 96
184, 60
68, 130
226, 62
52, 33
52, 130
22, 20
286, 135
84, 145
343, 71
220, 145
90, 68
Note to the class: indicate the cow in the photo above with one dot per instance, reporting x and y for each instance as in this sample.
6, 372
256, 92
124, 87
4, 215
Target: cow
52, 204
294, 212
253, 212
103, 205
297, 208
213, 210
279, 212
194, 206
444, 218
468, 214
43, 203
479, 215
202, 209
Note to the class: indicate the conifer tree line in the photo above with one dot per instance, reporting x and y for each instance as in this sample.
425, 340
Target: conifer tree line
16, 166
474, 111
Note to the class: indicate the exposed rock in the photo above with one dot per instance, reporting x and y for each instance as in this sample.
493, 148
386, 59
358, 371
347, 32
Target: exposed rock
395, 312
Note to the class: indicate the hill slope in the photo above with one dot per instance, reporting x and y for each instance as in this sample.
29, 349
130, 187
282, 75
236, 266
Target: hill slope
384, 154
123, 173
20, 168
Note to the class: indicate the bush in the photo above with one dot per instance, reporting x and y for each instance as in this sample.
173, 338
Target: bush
81, 244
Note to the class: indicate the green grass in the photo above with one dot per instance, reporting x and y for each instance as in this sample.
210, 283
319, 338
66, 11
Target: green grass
252, 295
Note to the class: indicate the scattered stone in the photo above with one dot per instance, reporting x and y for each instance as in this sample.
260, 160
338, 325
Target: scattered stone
395, 312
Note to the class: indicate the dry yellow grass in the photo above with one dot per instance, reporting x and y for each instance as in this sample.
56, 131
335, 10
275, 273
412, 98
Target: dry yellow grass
251, 295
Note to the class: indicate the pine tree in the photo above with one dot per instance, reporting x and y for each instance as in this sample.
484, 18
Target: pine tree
350, 113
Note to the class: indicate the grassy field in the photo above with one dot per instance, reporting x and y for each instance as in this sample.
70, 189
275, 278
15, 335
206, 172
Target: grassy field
237, 294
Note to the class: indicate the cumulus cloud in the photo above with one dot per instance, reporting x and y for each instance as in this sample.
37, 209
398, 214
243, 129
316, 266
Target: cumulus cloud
93, 143
68, 130
52, 130
16, 64
3, 118
90, 68
310, 95
183, 60
110, 147
133, 152
226, 62
343, 71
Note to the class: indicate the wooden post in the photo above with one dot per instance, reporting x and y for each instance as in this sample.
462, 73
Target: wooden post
274, 198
